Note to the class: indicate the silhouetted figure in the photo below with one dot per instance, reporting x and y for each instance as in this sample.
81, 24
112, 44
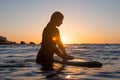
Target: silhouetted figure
50, 39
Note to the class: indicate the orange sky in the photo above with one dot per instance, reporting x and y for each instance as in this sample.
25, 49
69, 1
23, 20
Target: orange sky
87, 21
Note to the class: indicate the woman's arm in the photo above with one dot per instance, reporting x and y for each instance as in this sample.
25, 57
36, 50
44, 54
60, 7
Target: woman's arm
59, 53
62, 48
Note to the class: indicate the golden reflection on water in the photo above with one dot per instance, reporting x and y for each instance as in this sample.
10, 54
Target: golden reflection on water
73, 70
68, 76
76, 73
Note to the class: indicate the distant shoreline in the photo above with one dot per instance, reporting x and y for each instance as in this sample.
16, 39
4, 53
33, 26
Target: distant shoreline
64, 44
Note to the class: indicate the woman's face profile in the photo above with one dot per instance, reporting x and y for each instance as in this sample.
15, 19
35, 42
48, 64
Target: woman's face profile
59, 22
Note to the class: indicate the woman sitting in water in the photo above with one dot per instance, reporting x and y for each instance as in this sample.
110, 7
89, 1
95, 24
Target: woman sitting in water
51, 38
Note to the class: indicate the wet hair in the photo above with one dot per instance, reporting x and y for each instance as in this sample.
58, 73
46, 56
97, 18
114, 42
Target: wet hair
56, 16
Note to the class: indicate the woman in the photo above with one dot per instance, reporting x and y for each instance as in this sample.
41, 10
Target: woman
51, 38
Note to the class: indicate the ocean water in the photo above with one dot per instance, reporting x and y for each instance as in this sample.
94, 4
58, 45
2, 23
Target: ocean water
17, 62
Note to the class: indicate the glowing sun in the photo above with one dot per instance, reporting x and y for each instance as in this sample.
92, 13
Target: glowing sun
64, 40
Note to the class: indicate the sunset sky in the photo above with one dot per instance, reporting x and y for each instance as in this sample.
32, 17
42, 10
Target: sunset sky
85, 21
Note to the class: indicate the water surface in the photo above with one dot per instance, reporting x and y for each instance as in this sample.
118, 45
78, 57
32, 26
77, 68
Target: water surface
17, 62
